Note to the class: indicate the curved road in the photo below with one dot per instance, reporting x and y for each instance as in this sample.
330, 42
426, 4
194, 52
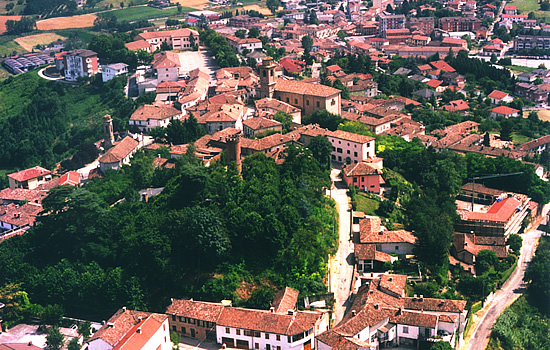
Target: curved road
511, 290
341, 264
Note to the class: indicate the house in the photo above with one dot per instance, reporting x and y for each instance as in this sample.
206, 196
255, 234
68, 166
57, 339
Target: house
398, 242
260, 125
481, 194
71, 178
22, 195
119, 154
29, 178
180, 39
194, 319
308, 97
284, 300
466, 246
351, 148
537, 145
291, 65
510, 10
110, 71
453, 42
503, 217
223, 117
442, 65
499, 96
80, 64
14, 216
531, 92
457, 106
364, 176
166, 65
139, 45
147, 117
239, 45
270, 106
381, 317
503, 112
132, 330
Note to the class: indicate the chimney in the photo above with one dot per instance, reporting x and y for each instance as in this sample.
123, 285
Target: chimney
110, 325
376, 306
272, 309
421, 297
124, 308
353, 313
138, 330
140, 318
291, 312
390, 279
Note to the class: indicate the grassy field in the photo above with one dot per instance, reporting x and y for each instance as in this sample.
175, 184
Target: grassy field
520, 69
544, 115
30, 41
526, 6
145, 12
81, 21
519, 139
8, 46
366, 205
116, 3
17, 9
3, 20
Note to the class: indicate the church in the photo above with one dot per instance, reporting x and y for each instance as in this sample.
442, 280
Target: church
308, 97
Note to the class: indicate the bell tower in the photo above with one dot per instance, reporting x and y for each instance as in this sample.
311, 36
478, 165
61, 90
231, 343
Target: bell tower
234, 150
267, 77
108, 135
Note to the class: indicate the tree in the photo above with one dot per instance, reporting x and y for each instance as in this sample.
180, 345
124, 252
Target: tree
54, 340
85, 329
122, 4
324, 118
307, 44
73, 344
486, 140
515, 242
506, 127
341, 34
16, 304
285, 119
484, 260
240, 33
321, 148
273, 5
441, 345
538, 276
52, 314
340, 86
494, 58
253, 32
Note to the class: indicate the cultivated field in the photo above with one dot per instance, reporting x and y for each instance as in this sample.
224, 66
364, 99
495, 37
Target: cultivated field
544, 115
146, 12
30, 41
3, 20
81, 21
198, 4
262, 10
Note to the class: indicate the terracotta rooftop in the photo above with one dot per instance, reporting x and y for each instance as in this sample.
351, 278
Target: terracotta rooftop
285, 299
349, 136
30, 173
504, 110
137, 45
499, 95
19, 215
363, 251
260, 123
527, 146
361, 169
442, 65
199, 310
119, 151
298, 87
430, 304
22, 194
393, 283
418, 319
499, 212
273, 103
370, 232
71, 178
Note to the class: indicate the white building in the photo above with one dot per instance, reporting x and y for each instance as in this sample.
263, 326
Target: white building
132, 330
351, 148
147, 117
80, 63
238, 44
110, 71
119, 154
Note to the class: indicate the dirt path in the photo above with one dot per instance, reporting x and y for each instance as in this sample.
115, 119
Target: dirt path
341, 265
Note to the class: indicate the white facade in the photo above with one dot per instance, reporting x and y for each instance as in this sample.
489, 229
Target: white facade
161, 339
149, 124
402, 248
110, 71
260, 340
350, 152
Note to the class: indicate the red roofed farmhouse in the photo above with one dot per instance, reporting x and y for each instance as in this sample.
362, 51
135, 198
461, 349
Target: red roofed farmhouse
132, 330
364, 176
29, 178
500, 96
351, 148
147, 117
504, 112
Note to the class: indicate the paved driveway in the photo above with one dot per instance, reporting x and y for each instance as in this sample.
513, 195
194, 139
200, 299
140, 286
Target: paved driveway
190, 60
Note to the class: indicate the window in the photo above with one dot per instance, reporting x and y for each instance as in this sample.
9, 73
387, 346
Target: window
355, 154
307, 102
362, 178
339, 150
191, 320
227, 330
333, 149
182, 319
173, 317
348, 151
318, 104
278, 337
295, 101
265, 74
354, 179
256, 346
287, 100
278, 348
396, 247
339, 142
267, 336
405, 329
174, 328
238, 332
333, 102
183, 330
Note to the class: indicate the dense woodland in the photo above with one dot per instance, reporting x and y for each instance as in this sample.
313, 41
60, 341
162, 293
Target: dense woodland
211, 235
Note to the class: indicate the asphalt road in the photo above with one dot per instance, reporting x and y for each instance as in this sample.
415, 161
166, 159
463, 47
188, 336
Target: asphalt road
511, 290
341, 264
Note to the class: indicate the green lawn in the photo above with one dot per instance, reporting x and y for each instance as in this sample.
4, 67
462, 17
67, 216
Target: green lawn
146, 12
526, 6
519, 139
85, 35
8, 46
520, 69
365, 204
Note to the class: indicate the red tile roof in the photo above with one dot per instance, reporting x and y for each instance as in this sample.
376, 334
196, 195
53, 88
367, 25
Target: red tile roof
456, 106
349, 136
442, 65
292, 65
433, 83
418, 319
393, 283
504, 110
120, 151
260, 123
431, 304
199, 310
361, 169
498, 95
370, 232
23, 194
334, 68
285, 299
299, 87
139, 335
19, 215
500, 211
71, 178
364, 251
535, 143
28, 174
157, 112
425, 68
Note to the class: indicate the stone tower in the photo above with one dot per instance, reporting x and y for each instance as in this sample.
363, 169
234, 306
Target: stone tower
267, 77
233, 150
108, 135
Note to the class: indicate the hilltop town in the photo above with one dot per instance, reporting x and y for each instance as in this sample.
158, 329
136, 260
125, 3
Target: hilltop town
291, 176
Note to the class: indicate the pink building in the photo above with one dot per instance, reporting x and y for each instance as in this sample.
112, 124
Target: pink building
364, 176
351, 148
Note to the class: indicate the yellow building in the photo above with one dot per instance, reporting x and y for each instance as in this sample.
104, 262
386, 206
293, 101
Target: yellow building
308, 97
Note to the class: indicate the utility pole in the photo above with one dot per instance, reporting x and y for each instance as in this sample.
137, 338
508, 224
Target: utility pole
474, 178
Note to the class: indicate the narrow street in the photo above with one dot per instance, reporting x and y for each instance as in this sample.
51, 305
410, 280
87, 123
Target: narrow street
511, 290
341, 264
